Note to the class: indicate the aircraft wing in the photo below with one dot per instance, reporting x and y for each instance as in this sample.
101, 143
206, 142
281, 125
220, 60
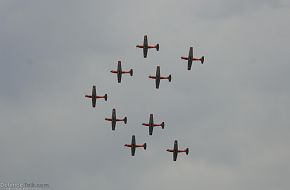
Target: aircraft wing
189, 63
133, 143
175, 155
151, 121
145, 51
94, 98
119, 72
145, 46
119, 75
113, 124
94, 101
150, 130
94, 91
133, 148
157, 80
114, 114
190, 56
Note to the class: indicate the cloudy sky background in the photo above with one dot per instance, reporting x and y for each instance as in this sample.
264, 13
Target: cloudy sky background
232, 111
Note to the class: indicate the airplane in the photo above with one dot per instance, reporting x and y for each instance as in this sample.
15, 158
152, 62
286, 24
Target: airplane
94, 96
145, 46
114, 119
158, 77
119, 72
151, 124
190, 58
133, 145
175, 150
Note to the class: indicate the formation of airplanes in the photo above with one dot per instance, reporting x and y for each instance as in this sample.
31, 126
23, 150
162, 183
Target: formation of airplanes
157, 77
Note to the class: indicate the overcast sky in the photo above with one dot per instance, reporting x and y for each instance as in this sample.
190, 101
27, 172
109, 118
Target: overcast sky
232, 112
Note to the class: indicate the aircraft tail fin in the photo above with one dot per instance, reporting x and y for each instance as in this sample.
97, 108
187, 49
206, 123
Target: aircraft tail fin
202, 59
187, 151
169, 78
106, 97
131, 72
125, 120
157, 47
144, 146
162, 125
